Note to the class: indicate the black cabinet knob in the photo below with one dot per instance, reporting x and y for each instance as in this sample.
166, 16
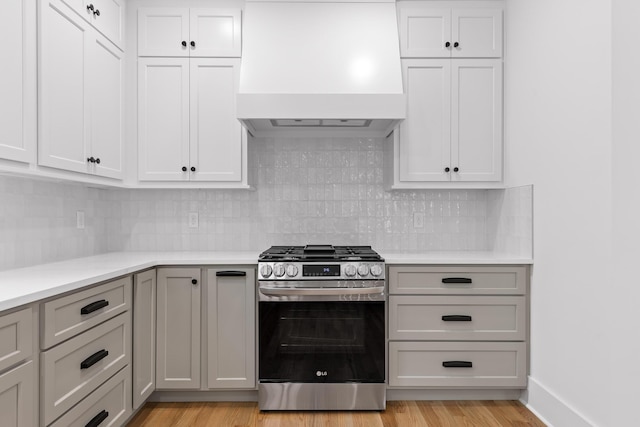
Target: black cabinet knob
456, 169
98, 160
184, 43
447, 44
90, 7
91, 160
184, 169
194, 282
97, 12
193, 168
456, 44
193, 44
447, 169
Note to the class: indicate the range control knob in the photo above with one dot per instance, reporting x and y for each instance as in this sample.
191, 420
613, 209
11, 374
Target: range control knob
349, 270
266, 270
363, 269
292, 270
376, 270
278, 270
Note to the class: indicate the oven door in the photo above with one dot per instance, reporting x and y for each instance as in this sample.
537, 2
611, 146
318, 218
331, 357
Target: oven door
322, 341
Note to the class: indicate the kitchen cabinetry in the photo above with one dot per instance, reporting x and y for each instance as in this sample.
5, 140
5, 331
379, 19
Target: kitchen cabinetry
178, 328
453, 129
450, 32
231, 333
17, 86
80, 95
106, 16
183, 32
85, 341
18, 396
144, 336
462, 327
187, 130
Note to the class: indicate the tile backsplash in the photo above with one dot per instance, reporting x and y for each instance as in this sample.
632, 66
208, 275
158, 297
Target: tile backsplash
307, 191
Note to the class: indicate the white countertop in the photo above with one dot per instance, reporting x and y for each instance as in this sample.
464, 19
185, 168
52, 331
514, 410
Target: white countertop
30, 284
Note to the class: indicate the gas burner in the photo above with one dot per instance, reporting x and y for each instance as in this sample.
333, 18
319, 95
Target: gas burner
312, 253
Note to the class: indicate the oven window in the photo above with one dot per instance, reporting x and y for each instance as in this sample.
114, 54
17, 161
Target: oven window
322, 341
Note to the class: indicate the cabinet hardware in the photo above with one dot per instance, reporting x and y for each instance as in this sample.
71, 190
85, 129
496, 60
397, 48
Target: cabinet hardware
231, 273
98, 160
94, 306
447, 169
193, 168
184, 43
456, 44
450, 280
456, 169
447, 44
456, 318
184, 169
97, 12
193, 44
98, 419
93, 359
91, 159
90, 7
457, 364
194, 281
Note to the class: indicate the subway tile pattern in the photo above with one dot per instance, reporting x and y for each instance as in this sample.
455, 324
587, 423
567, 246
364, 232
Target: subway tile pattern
307, 191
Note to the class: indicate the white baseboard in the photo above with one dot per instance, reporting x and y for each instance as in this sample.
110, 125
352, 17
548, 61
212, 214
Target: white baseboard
551, 410
452, 394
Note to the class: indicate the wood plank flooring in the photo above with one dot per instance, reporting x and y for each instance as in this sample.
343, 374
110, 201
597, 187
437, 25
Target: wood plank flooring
398, 414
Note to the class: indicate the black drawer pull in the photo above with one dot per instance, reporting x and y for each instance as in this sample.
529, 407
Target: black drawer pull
457, 364
98, 419
94, 306
451, 280
231, 273
93, 359
456, 318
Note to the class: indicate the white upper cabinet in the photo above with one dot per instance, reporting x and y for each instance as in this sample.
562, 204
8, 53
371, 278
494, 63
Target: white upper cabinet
450, 33
183, 32
17, 80
80, 95
107, 16
187, 130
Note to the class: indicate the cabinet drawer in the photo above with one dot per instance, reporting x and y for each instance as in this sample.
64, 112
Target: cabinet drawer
109, 403
452, 280
63, 318
457, 318
488, 364
16, 337
75, 368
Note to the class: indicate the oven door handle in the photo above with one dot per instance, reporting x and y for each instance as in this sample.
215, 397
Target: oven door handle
276, 291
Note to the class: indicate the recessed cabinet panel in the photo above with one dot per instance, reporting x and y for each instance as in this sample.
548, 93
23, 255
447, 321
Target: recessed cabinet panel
425, 134
478, 33
64, 113
161, 32
163, 119
215, 32
107, 108
424, 33
215, 145
476, 140
16, 337
17, 403
108, 18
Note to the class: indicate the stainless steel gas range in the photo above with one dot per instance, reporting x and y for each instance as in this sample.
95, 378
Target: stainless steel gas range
321, 328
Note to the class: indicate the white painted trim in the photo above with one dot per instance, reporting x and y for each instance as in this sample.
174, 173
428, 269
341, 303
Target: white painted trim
452, 394
550, 408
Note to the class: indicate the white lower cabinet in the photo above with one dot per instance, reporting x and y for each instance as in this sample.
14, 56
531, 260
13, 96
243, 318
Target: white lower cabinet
458, 326
231, 332
144, 336
178, 328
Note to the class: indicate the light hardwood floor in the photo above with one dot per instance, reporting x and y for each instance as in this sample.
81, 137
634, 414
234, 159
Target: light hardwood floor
398, 413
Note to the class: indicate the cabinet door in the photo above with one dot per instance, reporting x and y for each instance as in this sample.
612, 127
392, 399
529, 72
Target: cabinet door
215, 32
478, 33
144, 337
17, 403
476, 135
65, 40
231, 331
162, 31
424, 33
216, 133
425, 134
14, 144
107, 16
178, 333
163, 119
106, 90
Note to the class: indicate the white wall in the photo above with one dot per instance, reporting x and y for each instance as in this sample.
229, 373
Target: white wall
558, 134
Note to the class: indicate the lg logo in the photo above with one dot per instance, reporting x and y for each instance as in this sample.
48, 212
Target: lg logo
321, 373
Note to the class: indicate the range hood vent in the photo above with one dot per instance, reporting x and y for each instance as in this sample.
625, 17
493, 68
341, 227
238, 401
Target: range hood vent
320, 68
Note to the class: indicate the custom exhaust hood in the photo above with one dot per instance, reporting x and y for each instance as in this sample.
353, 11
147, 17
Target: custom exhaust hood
320, 68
